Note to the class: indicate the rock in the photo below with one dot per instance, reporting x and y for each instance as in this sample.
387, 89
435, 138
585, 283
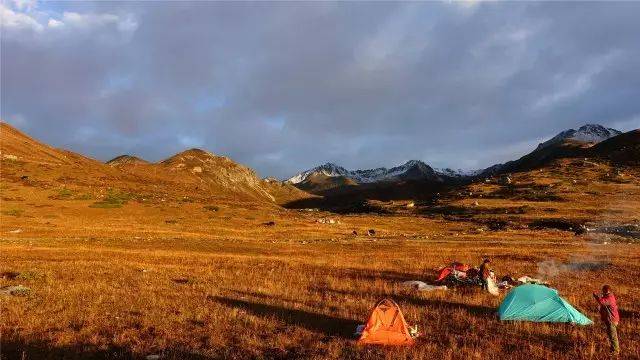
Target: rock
475, 203
505, 180
16, 231
9, 157
411, 204
196, 169
15, 290
270, 223
327, 221
354, 233
371, 232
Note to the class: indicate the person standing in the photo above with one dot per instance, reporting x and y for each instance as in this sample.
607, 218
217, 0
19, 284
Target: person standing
485, 272
608, 307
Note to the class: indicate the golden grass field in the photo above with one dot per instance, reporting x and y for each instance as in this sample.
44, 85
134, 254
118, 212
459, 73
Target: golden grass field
208, 279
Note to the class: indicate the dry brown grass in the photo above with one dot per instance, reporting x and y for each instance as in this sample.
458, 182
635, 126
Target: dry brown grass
176, 279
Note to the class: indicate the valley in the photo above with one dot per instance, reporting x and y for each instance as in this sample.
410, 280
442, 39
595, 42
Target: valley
196, 257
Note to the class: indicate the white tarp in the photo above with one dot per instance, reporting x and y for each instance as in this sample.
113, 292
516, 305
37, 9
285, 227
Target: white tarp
422, 286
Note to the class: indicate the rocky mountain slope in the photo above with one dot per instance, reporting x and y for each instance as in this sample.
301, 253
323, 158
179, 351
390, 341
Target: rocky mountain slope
623, 149
216, 172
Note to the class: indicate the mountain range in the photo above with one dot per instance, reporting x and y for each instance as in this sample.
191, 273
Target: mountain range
411, 170
567, 143
196, 173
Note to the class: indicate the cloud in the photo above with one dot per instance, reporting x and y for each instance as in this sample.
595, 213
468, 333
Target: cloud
17, 21
23, 5
20, 16
283, 87
53, 23
572, 85
87, 21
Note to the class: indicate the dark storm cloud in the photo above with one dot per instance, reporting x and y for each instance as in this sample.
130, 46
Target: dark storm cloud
282, 87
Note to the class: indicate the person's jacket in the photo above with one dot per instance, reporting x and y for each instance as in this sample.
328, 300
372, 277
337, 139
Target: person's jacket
609, 309
485, 271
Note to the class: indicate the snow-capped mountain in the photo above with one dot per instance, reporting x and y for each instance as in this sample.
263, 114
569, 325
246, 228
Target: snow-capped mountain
411, 170
328, 169
418, 170
457, 173
590, 133
556, 148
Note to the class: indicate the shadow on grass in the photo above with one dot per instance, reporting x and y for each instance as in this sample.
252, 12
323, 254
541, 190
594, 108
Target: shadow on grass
389, 275
629, 314
325, 324
17, 348
475, 310
356, 198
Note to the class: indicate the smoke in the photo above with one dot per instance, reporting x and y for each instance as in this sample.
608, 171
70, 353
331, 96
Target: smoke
550, 268
582, 262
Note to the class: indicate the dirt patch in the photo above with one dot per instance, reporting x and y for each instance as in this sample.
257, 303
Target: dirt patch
628, 230
559, 224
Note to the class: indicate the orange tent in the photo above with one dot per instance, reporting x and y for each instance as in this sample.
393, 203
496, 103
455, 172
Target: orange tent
386, 326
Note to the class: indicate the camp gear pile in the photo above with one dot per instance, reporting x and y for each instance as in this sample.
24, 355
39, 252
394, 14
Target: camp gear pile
459, 274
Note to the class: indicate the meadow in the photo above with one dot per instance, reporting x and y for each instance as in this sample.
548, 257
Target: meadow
213, 279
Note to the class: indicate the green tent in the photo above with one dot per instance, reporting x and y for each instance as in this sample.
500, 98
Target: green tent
541, 304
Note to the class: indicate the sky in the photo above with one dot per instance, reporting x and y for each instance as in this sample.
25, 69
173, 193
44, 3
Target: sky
282, 87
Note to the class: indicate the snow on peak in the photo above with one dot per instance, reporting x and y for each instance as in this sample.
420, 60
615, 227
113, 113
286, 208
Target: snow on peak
413, 169
328, 169
594, 133
590, 133
457, 172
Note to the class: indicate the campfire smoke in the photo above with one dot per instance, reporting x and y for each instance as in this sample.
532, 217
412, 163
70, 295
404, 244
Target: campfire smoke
583, 262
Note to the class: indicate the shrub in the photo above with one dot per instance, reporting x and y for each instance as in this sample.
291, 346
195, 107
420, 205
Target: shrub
112, 200
12, 212
68, 194
64, 193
